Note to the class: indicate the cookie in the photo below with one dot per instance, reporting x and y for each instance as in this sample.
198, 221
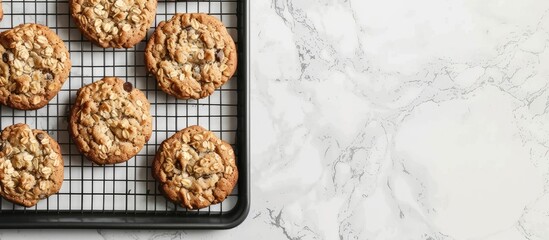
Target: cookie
195, 168
31, 165
110, 121
1, 11
191, 55
116, 24
35, 63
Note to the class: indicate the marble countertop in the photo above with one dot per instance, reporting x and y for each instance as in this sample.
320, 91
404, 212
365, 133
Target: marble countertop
396, 119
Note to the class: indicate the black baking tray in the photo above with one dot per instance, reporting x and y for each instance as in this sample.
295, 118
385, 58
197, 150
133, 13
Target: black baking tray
85, 209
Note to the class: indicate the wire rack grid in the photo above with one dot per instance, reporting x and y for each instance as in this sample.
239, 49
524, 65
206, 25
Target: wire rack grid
127, 187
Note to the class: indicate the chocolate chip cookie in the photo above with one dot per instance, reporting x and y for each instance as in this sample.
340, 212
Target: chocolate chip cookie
191, 55
110, 121
31, 165
195, 168
35, 64
116, 24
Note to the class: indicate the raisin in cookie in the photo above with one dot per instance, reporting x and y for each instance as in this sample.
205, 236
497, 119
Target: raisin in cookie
191, 55
117, 24
31, 165
195, 168
110, 121
35, 64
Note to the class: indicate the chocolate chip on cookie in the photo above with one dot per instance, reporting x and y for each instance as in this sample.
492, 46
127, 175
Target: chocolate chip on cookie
195, 168
31, 165
128, 86
191, 55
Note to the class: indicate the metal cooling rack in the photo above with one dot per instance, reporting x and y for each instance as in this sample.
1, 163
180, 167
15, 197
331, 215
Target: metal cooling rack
125, 195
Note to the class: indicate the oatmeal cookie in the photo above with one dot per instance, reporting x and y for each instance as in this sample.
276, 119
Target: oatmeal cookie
195, 168
110, 121
116, 24
35, 64
191, 55
1, 11
31, 165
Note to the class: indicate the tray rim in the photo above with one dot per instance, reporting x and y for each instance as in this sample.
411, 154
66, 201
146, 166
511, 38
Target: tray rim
139, 220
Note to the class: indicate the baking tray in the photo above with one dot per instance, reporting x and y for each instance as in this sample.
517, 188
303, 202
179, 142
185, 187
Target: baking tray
125, 195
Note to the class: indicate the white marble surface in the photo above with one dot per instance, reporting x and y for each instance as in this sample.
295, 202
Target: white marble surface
397, 119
